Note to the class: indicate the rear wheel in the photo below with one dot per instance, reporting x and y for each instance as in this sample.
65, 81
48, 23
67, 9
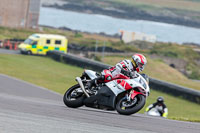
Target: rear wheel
74, 97
126, 107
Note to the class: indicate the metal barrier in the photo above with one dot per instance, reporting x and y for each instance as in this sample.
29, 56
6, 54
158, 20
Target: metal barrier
176, 90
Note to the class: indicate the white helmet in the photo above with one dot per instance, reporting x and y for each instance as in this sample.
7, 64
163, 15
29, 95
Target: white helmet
139, 61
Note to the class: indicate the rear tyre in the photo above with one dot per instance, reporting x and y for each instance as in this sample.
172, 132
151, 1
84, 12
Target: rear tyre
125, 107
74, 97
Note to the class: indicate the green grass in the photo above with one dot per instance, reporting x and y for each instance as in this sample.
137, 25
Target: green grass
58, 77
42, 71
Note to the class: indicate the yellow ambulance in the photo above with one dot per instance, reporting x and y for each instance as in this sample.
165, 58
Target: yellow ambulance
42, 43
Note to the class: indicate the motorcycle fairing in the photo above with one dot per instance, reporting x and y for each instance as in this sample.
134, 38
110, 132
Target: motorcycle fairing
124, 84
140, 83
115, 87
154, 112
118, 87
104, 97
139, 79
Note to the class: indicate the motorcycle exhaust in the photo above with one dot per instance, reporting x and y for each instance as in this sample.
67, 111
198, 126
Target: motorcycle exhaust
78, 79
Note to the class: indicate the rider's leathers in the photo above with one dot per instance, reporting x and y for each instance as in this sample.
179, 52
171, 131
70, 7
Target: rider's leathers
110, 73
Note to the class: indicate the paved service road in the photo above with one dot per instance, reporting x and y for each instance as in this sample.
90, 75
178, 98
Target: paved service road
6, 51
26, 108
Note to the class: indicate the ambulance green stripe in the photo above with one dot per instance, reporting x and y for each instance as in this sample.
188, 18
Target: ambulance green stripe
56, 48
34, 46
46, 47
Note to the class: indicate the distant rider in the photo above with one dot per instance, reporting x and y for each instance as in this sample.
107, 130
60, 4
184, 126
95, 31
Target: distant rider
160, 106
126, 67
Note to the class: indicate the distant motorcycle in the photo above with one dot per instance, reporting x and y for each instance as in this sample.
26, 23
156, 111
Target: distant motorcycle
153, 112
124, 94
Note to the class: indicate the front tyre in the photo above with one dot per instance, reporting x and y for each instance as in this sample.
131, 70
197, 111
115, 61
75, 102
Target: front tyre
130, 107
74, 97
29, 52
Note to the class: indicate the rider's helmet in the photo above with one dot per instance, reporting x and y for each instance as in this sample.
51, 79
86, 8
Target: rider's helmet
139, 61
160, 99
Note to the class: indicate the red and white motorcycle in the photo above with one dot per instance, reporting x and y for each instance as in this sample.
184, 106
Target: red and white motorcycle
124, 94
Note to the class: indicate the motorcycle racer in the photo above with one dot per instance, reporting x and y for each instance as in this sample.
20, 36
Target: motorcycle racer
125, 95
160, 106
126, 67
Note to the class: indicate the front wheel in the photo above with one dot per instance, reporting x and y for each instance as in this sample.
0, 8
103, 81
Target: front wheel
29, 52
74, 97
130, 107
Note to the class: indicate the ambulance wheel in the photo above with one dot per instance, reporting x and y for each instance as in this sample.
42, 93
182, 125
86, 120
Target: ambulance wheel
29, 53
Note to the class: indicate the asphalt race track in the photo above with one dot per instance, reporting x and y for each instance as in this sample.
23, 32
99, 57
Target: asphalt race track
27, 108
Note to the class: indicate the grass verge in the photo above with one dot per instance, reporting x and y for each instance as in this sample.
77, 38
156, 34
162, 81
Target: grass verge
41, 71
58, 77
